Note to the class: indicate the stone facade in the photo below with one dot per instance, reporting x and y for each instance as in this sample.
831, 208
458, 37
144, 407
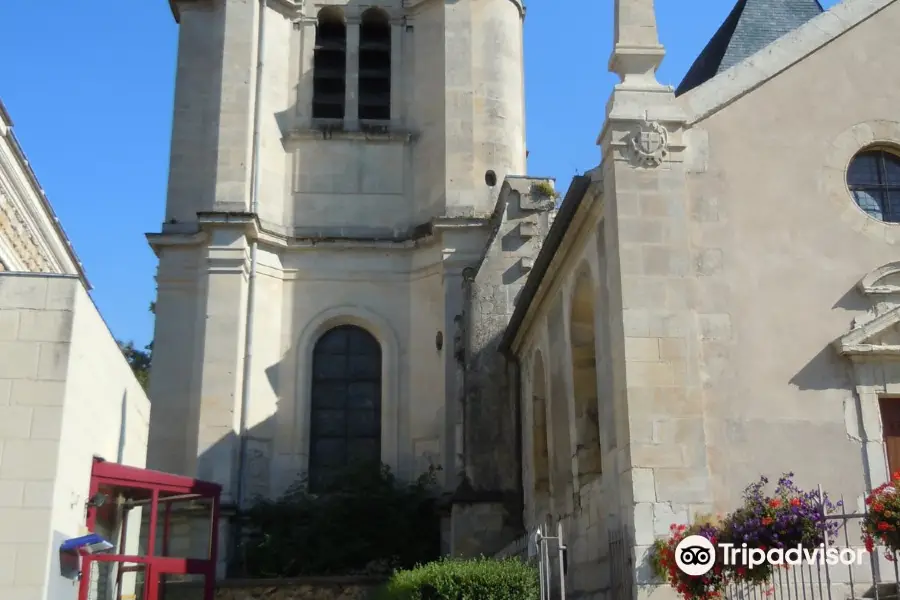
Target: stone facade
695, 293
629, 360
352, 223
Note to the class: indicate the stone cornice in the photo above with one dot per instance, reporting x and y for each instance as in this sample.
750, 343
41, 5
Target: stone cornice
425, 235
27, 211
324, 133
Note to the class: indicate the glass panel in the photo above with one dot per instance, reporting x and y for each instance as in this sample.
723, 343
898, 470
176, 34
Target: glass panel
347, 375
870, 201
333, 342
328, 453
330, 367
181, 587
362, 449
864, 169
362, 423
364, 367
891, 169
362, 342
329, 423
892, 206
363, 394
116, 580
189, 526
331, 394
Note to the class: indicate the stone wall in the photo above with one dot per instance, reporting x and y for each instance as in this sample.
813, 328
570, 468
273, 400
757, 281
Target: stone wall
307, 588
487, 509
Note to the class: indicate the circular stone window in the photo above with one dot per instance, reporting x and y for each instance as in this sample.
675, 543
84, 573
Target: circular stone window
874, 181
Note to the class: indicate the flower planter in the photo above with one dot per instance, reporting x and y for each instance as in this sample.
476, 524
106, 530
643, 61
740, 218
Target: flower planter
881, 525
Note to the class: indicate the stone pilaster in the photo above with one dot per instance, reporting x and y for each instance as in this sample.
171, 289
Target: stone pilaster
454, 356
397, 69
177, 348
306, 32
221, 374
655, 334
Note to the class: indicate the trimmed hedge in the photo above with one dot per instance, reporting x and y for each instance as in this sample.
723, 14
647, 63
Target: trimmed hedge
474, 579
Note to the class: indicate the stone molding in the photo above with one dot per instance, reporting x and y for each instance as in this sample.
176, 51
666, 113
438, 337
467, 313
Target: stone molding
746, 76
875, 366
882, 287
18, 242
392, 409
34, 239
833, 180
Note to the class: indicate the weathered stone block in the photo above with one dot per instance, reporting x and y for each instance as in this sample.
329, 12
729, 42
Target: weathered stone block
665, 514
682, 485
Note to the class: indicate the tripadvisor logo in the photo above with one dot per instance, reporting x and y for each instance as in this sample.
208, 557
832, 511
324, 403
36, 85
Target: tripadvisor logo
695, 555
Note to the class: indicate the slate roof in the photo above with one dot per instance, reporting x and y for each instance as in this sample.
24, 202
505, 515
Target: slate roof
751, 26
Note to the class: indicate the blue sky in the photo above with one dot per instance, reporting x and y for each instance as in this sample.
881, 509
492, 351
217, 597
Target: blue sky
89, 87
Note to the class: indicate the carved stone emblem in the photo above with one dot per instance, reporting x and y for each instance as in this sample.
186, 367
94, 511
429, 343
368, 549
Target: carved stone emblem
650, 144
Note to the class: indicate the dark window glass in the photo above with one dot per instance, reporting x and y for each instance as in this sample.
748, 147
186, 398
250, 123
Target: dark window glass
874, 181
329, 66
345, 416
375, 66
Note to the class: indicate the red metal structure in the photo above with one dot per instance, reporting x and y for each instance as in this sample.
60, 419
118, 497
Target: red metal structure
114, 492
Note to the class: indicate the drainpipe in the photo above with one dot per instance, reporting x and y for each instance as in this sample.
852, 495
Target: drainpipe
251, 282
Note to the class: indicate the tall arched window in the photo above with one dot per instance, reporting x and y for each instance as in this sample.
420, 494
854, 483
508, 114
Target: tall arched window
874, 180
345, 416
375, 66
330, 65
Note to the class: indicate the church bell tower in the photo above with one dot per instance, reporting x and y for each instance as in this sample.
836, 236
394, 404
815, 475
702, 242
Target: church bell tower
331, 169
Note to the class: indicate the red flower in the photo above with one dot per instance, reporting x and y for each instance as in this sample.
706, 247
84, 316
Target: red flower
870, 544
795, 501
767, 520
882, 526
774, 502
877, 506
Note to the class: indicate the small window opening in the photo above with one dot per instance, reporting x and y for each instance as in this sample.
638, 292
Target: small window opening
330, 65
874, 181
375, 66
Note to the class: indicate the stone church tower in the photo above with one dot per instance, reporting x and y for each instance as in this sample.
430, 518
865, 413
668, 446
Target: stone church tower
334, 169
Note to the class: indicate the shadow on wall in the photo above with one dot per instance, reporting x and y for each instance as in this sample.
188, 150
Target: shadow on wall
827, 370
321, 112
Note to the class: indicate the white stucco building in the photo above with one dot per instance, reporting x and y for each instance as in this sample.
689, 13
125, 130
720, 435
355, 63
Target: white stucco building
66, 392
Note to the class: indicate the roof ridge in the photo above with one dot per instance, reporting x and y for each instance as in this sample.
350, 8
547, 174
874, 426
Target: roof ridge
751, 26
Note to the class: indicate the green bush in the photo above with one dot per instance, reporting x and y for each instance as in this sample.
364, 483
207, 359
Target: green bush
364, 522
454, 579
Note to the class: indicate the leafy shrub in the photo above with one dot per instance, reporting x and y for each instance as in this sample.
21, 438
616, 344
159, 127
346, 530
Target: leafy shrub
474, 579
364, 522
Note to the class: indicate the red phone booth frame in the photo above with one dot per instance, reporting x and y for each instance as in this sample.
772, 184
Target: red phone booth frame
106, 476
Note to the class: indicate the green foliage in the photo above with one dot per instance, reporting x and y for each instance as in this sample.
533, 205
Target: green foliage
454, 579
365, 522
543, 189
139, 361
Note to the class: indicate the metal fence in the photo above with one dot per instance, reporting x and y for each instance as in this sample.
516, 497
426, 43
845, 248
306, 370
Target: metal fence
872, 576
621, 570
